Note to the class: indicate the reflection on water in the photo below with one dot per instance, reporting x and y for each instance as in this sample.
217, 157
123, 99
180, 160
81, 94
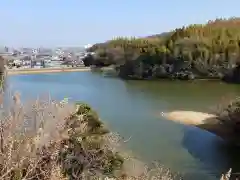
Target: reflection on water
133, 109
211, 151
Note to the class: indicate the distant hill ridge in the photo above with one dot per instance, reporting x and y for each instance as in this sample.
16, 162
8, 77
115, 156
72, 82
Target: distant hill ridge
232, 24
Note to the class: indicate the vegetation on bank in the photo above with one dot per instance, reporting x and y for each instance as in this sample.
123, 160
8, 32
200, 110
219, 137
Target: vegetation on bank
228, 121
47, 140
210, 51
74, 143
2, 63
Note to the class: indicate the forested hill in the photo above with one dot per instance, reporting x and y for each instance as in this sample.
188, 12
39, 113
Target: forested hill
209, 50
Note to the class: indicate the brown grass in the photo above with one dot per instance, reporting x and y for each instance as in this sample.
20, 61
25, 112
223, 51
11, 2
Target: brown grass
48, 140
30, 139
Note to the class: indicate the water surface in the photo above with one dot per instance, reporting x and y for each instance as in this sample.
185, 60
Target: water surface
133, 109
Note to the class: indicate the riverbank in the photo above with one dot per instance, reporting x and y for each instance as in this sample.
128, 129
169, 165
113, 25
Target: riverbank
45, 70
224, 123
177, 54
170, 143
73, 145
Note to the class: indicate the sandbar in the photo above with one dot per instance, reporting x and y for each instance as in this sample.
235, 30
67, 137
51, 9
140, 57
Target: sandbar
188, 117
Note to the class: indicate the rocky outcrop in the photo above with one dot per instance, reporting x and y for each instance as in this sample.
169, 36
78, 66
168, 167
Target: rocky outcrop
233, 76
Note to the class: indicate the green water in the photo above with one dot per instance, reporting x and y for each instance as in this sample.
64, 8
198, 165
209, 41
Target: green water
132, 108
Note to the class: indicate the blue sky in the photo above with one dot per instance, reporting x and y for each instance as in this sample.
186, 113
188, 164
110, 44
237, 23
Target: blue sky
78, 22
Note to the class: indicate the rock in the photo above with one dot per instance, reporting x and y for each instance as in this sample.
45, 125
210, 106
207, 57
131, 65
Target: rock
233, 76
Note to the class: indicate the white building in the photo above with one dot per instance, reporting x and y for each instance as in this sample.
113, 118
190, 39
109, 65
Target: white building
17, 62
87, 46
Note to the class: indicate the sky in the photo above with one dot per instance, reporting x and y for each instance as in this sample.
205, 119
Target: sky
51, 23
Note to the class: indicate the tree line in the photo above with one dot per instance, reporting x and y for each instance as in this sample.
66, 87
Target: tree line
210, 50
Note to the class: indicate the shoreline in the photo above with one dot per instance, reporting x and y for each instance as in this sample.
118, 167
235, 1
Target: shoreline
45, 70
84, 69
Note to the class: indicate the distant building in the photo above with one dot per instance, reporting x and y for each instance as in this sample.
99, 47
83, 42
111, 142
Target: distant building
37, 63
17, 62
87, 46
6, 49
35, 51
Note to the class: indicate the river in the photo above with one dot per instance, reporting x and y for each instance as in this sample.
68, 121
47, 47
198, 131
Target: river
133, 108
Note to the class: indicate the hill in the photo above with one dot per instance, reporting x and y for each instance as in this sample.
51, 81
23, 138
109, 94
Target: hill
208, 50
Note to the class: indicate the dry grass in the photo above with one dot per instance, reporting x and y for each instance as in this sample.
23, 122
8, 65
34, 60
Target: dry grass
47, 140
226, 176
30, 139
228, 120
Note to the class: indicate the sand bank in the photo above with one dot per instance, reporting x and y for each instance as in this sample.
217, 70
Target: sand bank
45, 70
188, 117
